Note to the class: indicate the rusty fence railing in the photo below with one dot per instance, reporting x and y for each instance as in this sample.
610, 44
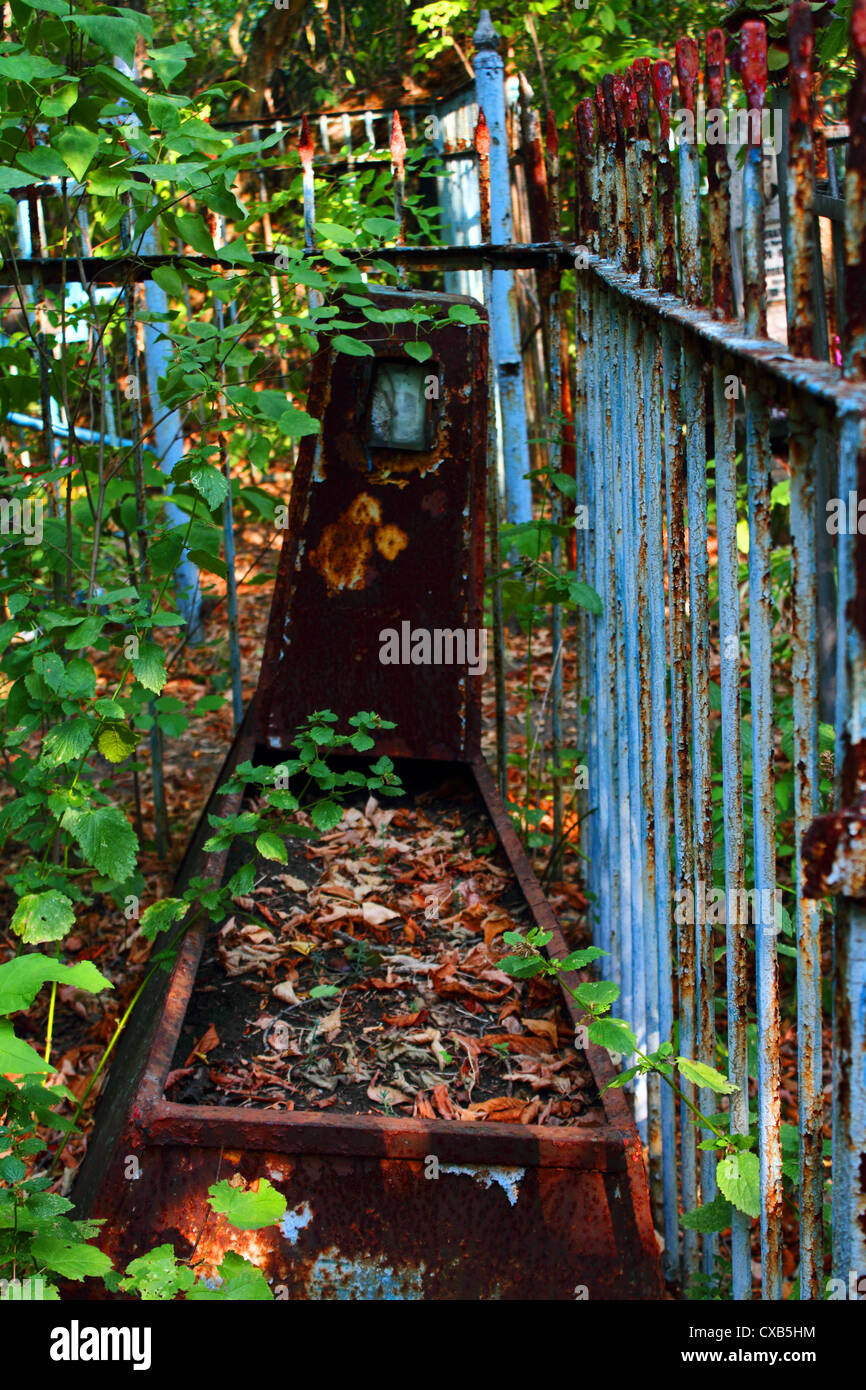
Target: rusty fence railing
689, 655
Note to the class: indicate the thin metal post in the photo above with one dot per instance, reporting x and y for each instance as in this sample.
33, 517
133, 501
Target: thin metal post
753, 62
504, 323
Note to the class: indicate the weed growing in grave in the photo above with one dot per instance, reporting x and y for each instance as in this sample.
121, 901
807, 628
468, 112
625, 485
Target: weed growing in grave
737, 1170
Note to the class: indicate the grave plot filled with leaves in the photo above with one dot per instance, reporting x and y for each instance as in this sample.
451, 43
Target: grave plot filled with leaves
362, 973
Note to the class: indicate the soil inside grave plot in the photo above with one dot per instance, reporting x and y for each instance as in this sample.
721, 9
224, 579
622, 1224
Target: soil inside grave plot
400, 910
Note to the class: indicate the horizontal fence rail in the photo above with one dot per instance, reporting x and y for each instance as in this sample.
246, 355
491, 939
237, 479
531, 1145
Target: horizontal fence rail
686, 653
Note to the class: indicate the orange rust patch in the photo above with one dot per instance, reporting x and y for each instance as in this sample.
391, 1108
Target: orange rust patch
345, 548
390, 540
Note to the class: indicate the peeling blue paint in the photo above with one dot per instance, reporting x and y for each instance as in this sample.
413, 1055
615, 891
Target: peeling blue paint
295, 1221
508, 1179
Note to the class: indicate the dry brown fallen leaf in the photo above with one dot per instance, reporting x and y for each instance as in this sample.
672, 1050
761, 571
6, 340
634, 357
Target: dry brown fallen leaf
285, 991
206, 1043
544, 1028
329, 1026
387, 1095
375, 914
444, 1103
297, 885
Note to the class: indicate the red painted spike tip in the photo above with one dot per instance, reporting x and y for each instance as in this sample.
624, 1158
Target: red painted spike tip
753, 62
551, 136
715, 67
688, 67
305, 143
608, 107
662, 76
618, 101
584, 115
858, 31
482, 136
641, 86
801, 48
398, 140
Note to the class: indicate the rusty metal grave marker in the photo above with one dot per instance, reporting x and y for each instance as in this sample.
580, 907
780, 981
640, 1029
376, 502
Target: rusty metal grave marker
385, 542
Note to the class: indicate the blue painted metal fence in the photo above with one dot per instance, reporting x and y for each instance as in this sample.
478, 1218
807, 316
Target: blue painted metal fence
691, 646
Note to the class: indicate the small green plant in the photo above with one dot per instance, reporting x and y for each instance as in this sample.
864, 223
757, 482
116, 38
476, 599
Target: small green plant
737, 1169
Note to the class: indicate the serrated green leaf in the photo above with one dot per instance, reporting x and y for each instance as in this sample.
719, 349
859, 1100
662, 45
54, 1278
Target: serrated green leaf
245, 1208
271, 846
700, 1074
158, 917
577, 960
211, 484
584, 596
68, 742
49, 666
622, 1080
613, 1034
149, 667
105, 838
240, 1281
326, 815
116, 742
596, 994
157, 1275
73, 1259
463, 313
739, 1178
712, 1216
43, 917
297, 423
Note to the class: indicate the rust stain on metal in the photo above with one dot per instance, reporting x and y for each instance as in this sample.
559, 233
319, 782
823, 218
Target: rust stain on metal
753, 68
855, 214
834, 853
801, 319
718, 185
345, 548
688, 67
661, 80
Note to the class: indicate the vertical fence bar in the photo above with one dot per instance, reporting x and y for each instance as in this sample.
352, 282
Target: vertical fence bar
217, 228
849, 994
725, 392
698, 560
675, 465
804, 667
631, 430
605, 583
660, 1011
482, 149
753, 65
621, 617
592, 211
504, 324
554, 454
398, 170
